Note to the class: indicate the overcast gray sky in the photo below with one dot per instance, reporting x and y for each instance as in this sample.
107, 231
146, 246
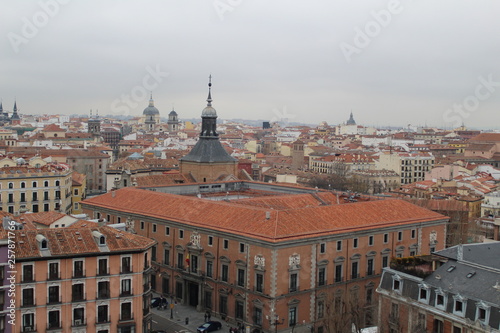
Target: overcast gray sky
390, 62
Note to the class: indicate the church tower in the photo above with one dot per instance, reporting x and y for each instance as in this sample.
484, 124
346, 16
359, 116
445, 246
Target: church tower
94, 126
173, 121
297, 155
15, 119
208, 160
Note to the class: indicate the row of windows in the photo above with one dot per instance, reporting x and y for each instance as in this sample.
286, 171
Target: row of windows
28, 273
79, 317
33, 184
78, 293
371, 240
441, 301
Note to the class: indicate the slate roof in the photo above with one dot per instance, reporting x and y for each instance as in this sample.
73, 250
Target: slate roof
487, 254
208, 150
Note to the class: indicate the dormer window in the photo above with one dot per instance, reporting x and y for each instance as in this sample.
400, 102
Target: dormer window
459, 305
43, 243
397, 284
424, 293
482, 313
99, 238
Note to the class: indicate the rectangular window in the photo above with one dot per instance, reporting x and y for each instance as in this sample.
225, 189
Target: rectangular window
126, 311
257, 316
338, 273
154, 227
293, 282
210, 240
242, 247
241, 277
166, 257
210, 268
413, 233
226, 244
238, 313
225, 273
102, 268
165, 285
292, 316
102, 313
223, 304
369, 268
54, 319
354, 270
167, 231
193, 264
321, 309
53, 270
126, 286
78, 316
77, 292
53, 294
339, 245
457, 329
180, 260
322, 248
126, 266
27, 273
400, 236
28, 322
259, 282
181, 234
208, 299
153, 253
321, 276
142, 225
440, 300
385, 261
438, 326
355, 243
28, 297
103, 289
370, 240
369, 296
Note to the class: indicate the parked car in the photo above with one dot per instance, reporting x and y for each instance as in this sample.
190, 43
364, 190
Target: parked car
210, 326
155, 301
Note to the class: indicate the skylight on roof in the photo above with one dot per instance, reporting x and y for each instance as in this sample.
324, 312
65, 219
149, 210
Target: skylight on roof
451, 268
471, 274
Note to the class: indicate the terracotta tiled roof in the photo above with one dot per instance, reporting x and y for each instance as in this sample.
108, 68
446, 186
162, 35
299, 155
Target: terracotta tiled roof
74, 241
486, 137
161, 180
45, 218
53, 128
77, 178
263, 223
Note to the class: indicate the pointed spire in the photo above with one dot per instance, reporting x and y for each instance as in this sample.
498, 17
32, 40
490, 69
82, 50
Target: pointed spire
1, 106
151, 102
209, 99
15, 106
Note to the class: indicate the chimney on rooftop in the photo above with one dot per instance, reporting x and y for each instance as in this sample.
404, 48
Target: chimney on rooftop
268, 215
113, 194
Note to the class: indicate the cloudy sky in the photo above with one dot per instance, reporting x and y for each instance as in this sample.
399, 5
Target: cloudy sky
390, 62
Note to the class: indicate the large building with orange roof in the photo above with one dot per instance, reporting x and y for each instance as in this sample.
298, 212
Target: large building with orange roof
249, 251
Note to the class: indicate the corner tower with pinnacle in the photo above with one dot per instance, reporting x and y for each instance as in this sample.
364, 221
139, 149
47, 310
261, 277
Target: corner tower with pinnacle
208, 160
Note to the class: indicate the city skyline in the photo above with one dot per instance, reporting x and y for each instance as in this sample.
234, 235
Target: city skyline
391, 63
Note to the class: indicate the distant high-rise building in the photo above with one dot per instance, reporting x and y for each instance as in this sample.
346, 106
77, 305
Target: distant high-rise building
266, 125
297, 155
94, 126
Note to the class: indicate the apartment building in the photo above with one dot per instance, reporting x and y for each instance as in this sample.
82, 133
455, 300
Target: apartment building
253, 252
461, 296
411, 167
86, 279
34, 186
